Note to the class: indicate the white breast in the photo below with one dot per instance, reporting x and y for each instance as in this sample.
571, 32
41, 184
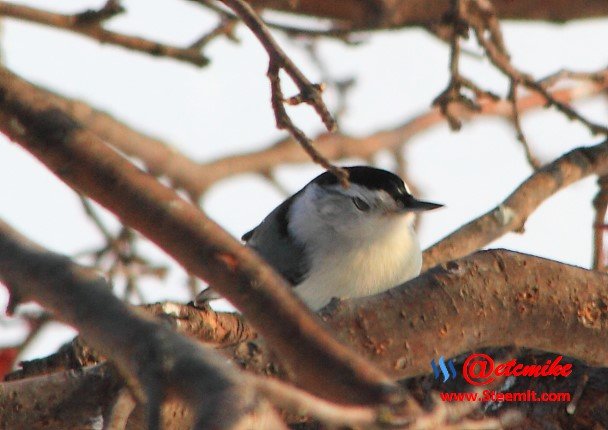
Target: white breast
361, 269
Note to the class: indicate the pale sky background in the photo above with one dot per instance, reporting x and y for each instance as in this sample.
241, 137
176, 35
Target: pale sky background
224, 109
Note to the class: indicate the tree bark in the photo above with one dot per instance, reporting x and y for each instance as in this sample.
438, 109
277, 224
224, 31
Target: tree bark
378, 14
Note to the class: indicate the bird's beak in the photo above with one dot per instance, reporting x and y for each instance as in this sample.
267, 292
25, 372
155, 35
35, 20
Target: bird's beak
413, 205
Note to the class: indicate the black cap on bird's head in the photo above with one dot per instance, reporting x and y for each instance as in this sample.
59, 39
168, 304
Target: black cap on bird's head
379, 179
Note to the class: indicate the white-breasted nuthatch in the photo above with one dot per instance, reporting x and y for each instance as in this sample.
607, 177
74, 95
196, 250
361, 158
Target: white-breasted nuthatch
330, 241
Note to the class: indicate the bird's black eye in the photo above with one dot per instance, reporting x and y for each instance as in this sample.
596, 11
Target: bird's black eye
361, 204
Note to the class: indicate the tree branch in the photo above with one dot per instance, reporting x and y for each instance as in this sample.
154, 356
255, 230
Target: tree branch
89, 24
512, 213
379, 14
53, 401
83, 161
218, 329
516, 299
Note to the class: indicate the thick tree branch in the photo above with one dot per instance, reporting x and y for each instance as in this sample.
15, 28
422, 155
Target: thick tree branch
219, 329
89, 25
512, 213
53, 401
155, 361
489, 298
83, 161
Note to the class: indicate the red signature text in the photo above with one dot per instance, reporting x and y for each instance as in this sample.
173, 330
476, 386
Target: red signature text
479, 369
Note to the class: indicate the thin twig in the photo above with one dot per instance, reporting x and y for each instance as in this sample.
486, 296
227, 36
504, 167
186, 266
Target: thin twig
309, 93
225, 27
88, 24
122, 252
452, 99
284, 122
94, 217
512, 97
341, 86
481, 17
270, 176
452, 94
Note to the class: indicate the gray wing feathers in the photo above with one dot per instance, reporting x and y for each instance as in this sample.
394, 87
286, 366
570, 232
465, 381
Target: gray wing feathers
272, 241
276, 246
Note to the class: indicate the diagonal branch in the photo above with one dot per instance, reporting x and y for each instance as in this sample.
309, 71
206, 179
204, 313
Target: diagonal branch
89, 24
512, 213
317, 361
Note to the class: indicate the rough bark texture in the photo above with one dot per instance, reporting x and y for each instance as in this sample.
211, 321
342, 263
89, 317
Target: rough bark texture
67, 400
490, 298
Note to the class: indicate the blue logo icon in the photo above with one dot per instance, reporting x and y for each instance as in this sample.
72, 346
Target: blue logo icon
444, 369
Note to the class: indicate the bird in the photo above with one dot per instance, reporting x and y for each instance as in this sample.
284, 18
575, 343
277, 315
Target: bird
333, 241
